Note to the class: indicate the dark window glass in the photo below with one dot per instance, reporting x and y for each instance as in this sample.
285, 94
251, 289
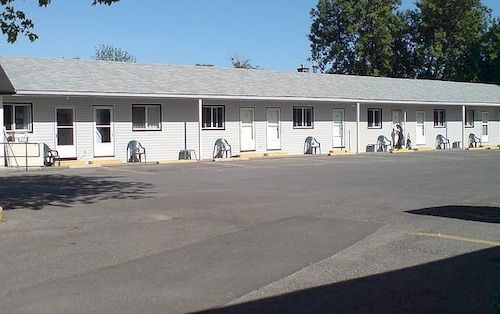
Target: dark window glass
65, 136
213, 117
103, 117
7, 117
308, 117
64, 117
220, 117
370, 118
138, 117
22, 117
104, 134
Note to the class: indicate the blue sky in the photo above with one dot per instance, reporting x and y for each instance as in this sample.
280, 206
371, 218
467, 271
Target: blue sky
272, 33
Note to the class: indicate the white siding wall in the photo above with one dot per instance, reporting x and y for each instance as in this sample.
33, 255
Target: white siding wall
165, 144
292, 140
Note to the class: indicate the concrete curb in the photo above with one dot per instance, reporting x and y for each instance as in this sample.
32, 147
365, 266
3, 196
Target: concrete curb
401, 151
231, 159
183, 161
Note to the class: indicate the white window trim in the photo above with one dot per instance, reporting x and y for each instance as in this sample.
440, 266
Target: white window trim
13, 117
439, 126
469, 125
304, 126
375, 125
213, 124
146, 123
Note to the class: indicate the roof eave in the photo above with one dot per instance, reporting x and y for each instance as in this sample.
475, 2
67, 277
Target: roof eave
244, 97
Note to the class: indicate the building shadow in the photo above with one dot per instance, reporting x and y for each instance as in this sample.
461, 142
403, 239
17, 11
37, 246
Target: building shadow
473, 213
37, 191
468, 283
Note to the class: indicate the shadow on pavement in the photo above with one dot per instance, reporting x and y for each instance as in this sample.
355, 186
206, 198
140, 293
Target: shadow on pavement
473, 213
468, 283
37, 191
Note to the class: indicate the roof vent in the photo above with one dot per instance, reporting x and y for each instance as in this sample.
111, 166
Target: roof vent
303, 69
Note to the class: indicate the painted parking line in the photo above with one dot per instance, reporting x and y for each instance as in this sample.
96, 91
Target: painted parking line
456, 238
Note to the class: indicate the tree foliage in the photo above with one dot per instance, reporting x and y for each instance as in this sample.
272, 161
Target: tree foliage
242, 63
447, 31
438, 39
354, 36
14, 22
111, 53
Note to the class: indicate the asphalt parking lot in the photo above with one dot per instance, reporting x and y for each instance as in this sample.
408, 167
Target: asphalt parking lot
381, 233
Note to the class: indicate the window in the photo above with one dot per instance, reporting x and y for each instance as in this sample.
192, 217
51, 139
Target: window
213, 117
18, 117
303, 117
469, 118
374, 118
439, 118
146, 117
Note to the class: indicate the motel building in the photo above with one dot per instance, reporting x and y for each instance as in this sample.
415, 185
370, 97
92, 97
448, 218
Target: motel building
90, 110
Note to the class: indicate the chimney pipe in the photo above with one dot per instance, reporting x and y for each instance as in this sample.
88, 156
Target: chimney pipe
303, 69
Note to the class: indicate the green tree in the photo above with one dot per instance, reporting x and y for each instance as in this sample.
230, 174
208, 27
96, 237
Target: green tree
355, 36
14, 22
490, 54
448, 33
111, 53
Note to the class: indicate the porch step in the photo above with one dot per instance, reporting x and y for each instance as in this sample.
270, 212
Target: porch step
340, 152
492, 147
275, 154
423, 149
401, 150
252, 155
72, 163
236, 158
105, 162
478, 148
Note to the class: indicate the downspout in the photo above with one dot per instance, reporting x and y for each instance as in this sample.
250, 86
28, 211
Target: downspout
358, 136
200, 142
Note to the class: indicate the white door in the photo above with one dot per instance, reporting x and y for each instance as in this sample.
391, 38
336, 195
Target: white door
338, 128
247, 129
273, 129
420, 139
65, 132
485, 122
103, 132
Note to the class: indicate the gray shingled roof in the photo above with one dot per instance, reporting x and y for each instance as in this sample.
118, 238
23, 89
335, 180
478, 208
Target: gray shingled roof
6, 87
78, 76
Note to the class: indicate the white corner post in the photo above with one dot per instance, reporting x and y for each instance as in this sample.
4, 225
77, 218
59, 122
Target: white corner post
2, 135
358, 136
200, 116
463, 127
405, 134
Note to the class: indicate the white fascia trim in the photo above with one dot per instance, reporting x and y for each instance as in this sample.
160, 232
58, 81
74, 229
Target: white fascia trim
230, 97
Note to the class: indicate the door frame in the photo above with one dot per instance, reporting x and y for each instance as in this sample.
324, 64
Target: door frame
253, 129
72, 107
343, 126
416, 127
112, 125
267, 126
